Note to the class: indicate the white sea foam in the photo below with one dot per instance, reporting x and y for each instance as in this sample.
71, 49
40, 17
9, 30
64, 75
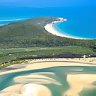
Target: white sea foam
5, 20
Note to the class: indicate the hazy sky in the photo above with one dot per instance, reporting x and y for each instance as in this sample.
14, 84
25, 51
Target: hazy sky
46, 3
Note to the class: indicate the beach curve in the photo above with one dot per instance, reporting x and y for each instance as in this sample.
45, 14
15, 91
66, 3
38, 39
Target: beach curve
51, 29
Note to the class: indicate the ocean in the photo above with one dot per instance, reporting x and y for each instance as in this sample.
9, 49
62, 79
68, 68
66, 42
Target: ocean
81, 19
81, 23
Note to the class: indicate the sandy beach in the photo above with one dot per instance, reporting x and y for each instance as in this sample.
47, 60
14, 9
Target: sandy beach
37, 80
51, 29
48, 63
78, 82
24, 90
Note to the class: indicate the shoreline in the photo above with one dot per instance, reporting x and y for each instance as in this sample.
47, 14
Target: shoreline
51, 29
47, 63
77, 81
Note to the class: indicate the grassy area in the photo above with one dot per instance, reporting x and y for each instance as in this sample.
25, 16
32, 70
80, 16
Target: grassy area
28, 39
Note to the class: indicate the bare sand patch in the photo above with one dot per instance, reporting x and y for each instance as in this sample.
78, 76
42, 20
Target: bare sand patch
78, 82
12, 90
36, 78
26, 90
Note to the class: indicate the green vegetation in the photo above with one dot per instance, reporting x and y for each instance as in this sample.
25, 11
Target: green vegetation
31, 33
4, 65
10, 55
28, 39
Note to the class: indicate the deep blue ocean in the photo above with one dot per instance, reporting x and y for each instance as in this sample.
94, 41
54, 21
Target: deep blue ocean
81, 20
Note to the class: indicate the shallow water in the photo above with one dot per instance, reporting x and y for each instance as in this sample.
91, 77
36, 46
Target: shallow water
56, 79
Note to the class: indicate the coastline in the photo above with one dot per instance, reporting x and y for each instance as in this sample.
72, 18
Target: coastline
48, 63
51, 29
76, 81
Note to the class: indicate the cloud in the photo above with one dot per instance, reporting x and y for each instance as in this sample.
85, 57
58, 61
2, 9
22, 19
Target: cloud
5, 20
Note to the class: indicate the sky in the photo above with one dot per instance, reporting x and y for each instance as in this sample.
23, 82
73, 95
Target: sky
46, 3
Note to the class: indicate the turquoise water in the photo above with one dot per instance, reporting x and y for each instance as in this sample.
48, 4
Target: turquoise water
81, 23
81, 20
60, 76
